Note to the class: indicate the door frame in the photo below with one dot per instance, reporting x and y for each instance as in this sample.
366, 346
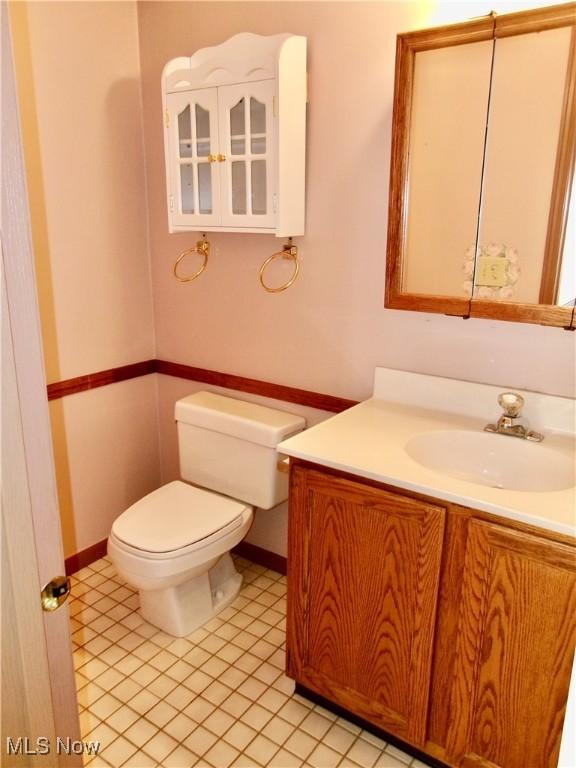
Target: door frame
37, 648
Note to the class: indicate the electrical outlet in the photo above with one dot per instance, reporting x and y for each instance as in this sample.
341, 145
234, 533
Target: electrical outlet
491, 272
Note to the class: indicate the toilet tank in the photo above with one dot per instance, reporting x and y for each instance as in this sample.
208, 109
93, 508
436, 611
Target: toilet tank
229, 446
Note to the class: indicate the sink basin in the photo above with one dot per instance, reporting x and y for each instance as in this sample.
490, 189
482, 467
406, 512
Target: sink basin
499, 461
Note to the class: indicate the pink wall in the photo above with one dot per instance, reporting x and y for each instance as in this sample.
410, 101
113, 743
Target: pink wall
107, 456
329, 331
79, 76
93, 185
78, 73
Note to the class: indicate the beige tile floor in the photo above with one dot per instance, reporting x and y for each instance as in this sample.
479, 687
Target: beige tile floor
216, 698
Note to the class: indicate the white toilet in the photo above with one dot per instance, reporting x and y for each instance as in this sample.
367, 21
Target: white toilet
174, 544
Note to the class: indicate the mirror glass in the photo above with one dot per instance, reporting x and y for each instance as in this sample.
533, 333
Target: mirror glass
481, 217
447, 131
524, 128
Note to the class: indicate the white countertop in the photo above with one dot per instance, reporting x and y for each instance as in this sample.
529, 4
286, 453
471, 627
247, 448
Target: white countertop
368, 440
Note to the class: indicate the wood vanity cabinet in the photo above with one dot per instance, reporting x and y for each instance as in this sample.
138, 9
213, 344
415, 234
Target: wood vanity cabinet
515, 649
364, 575
447, 628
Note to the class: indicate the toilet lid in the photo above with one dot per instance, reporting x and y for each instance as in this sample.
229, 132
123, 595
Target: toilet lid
175, 516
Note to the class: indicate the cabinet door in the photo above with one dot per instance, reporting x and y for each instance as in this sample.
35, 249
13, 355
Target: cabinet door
514, 650
363, 573
248, 143
193, 138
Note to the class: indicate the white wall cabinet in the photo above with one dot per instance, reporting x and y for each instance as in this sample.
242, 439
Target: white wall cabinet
235, 123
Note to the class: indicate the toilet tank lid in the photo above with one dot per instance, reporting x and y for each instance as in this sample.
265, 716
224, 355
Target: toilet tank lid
238, 418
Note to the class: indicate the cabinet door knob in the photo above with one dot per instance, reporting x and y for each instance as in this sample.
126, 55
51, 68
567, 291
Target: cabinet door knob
221, 158
212, 158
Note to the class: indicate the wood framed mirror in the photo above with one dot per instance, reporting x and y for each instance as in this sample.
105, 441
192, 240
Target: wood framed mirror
481, 218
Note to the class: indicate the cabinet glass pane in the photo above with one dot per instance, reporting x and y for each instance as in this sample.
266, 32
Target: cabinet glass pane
237, 129
185, 133
257, 126
202, 132
239, 187
204, 188
258, 187
258, 145
187, 188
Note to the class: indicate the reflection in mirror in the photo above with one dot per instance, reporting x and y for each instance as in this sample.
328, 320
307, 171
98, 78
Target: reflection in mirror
447, 129
483, 148
519, 171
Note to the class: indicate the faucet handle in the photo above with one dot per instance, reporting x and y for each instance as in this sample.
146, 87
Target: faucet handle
511, 403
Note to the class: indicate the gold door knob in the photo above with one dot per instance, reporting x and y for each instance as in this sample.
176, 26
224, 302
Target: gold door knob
212, 158
221, 158
55, 593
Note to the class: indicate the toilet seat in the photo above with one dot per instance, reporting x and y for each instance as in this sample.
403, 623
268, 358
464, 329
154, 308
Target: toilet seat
175, 520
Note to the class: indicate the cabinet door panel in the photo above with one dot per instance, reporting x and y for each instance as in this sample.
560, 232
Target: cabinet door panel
367, 565
247, 141
515, 649
194, 181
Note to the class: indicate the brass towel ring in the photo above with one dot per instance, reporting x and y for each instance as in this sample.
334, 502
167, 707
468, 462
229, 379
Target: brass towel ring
288, 252
203, 248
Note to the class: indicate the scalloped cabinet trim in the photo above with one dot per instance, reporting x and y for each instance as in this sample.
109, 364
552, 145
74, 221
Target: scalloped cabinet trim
234, 136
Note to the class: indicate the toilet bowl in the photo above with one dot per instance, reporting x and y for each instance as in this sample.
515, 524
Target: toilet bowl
174, 544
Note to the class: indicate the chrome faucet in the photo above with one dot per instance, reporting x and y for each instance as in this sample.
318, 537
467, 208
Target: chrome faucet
508, 423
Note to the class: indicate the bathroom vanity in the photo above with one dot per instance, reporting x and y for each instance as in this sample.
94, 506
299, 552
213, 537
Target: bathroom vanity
436, 607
